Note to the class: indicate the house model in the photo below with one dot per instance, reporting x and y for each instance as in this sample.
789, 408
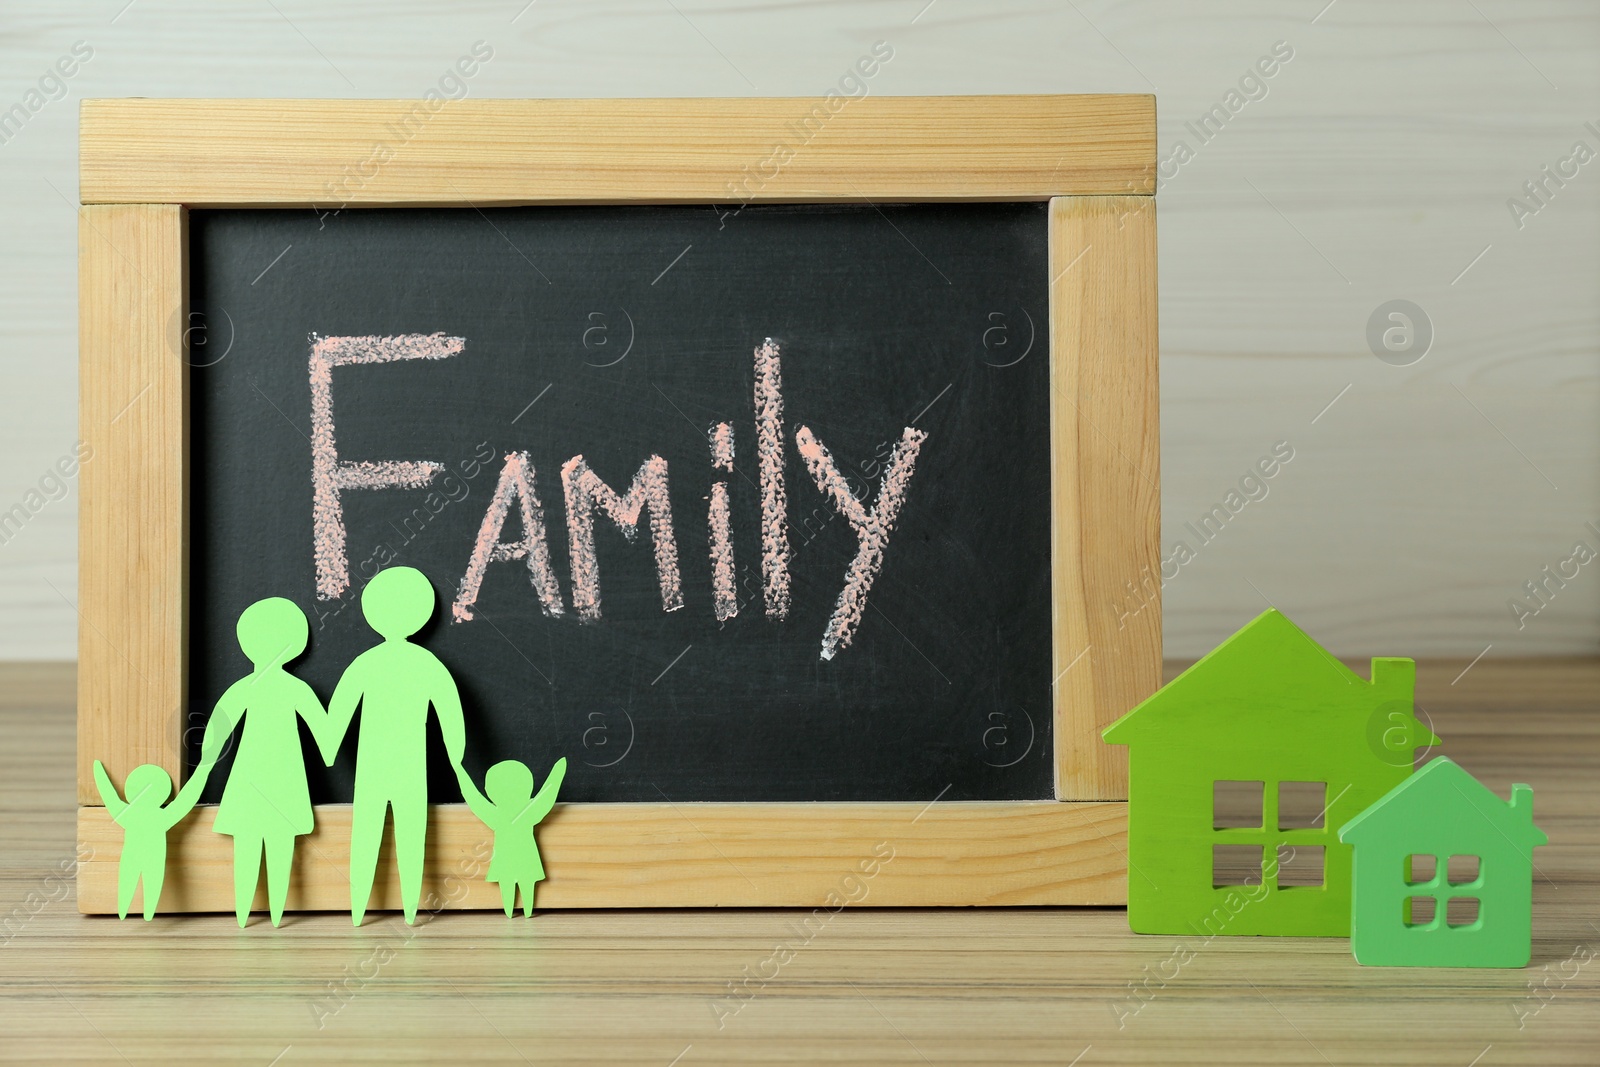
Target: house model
1443, 873
1239, 772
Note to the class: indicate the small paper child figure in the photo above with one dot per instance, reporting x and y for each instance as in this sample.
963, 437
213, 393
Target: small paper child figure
512, 810
145, 818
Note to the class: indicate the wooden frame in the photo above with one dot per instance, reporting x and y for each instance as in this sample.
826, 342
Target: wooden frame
144, 162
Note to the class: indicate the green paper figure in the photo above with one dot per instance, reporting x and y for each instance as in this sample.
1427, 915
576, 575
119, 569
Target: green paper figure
512, 811
266, 804
145, 818
394, 683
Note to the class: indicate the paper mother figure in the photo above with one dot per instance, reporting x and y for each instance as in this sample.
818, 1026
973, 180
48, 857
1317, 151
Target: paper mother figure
266, 804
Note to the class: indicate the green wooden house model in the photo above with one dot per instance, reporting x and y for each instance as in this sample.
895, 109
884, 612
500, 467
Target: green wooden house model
1239, 772
1443, 873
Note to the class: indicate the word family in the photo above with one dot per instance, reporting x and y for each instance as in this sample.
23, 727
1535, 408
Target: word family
586, 496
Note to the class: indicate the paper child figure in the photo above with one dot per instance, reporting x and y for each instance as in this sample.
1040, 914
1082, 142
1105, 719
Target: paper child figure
394, 683
145, 818
512, 811
266, 804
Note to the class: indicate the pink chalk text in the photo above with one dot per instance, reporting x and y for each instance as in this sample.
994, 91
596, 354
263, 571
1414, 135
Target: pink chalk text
517, 481
584, 493
774, 502
330, 476
724, 597
872, 527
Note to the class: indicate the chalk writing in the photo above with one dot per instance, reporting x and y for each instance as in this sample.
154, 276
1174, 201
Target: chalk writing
329, 476
516, 480
724, 599
585, 494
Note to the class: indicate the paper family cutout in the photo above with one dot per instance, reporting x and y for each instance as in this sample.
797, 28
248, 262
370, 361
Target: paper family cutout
1269, 707
266, 803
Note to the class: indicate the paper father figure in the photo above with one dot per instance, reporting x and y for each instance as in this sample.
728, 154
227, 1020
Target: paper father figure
394, 683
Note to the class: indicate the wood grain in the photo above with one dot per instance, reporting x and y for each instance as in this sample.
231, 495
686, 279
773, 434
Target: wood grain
868, 986
1105, 480
132, 522
685, 855
291, 153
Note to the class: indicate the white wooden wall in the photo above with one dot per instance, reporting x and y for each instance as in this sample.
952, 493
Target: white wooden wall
1378, 166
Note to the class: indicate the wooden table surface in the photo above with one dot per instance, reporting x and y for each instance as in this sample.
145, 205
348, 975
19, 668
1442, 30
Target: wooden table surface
1056, 986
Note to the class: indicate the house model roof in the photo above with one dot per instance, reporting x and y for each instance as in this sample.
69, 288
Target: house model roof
1274, 671
1442, 785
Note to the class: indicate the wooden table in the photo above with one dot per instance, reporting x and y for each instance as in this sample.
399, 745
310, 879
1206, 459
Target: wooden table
1055, 986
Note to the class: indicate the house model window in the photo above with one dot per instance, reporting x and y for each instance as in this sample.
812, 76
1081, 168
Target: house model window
1302, 805
1425, 875
1268, 855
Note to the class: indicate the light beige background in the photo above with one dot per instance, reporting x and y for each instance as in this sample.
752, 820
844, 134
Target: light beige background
1378, 166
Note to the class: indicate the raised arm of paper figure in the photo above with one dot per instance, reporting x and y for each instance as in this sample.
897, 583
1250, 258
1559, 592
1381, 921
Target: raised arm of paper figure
115, 805
545, 799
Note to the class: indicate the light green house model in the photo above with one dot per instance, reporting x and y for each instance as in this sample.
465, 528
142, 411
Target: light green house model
1444, 873
1271, 717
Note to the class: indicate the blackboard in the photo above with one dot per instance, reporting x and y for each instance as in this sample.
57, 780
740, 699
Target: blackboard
621, 333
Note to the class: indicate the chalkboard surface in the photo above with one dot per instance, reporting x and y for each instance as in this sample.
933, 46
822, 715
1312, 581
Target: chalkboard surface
619, 334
